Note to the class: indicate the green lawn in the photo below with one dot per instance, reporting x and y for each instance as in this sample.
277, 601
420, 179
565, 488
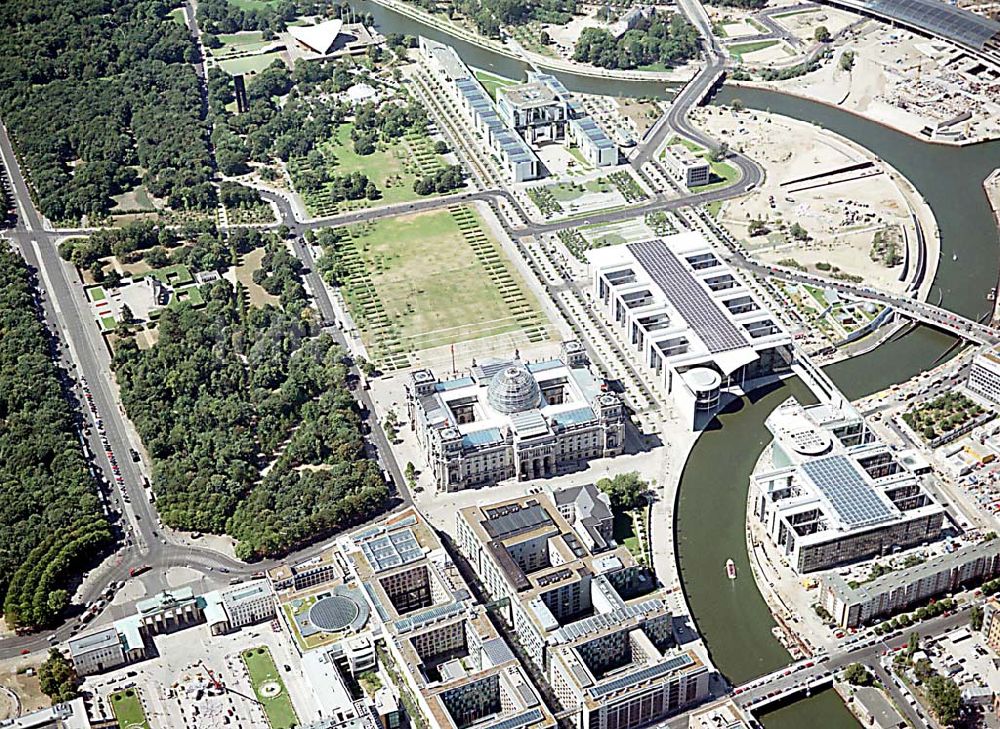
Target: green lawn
253, 4
741, 49
96, 293
564, 193
697, 149
714, 208
624, 532
723, 175
233, 43
128, 709
250, 64
432, 279
279, 709
492, 82
177, 15
393, 168
176, 275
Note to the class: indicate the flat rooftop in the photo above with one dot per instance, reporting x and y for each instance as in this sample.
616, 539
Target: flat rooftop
529, 95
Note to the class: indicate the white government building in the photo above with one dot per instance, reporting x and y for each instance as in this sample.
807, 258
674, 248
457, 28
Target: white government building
984, 376
541, 110
510, 419
828, 492
698, 330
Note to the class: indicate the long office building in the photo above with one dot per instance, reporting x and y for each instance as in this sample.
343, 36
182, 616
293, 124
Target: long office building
984, 376
518, 160
460, 671
508, 419
697, 329
852, 605
596, 625
536, 112
828, 492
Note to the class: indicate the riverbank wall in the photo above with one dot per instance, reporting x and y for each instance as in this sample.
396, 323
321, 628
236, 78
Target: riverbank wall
768, 86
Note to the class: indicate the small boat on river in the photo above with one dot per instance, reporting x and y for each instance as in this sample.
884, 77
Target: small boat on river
730, 569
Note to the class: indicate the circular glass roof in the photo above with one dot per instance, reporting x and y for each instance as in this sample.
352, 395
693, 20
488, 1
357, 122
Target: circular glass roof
513, 390
333, 613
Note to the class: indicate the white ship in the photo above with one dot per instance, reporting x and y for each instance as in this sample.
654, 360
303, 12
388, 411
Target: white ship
730, 569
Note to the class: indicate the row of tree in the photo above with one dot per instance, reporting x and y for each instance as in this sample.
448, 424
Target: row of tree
50, 517
99, 96
664, 38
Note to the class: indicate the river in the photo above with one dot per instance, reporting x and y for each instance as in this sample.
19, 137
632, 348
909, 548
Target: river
710, 519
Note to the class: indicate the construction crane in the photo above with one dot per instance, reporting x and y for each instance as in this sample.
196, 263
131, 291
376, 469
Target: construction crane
215, 681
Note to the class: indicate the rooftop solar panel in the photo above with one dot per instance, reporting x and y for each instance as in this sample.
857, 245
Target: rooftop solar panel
840, 482
392, 550
644, 674
515, 722
701, 312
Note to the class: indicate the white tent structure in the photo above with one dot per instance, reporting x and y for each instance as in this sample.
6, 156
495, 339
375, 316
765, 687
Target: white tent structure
319, 38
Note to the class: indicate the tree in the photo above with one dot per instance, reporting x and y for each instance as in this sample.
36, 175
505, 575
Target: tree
847, 60
626, 490
757, 227
410, 474
945, 698
798, 232
719, 153
976, 617
857, 675
58, 679
822, 34
737, 104
441, 147
544, 38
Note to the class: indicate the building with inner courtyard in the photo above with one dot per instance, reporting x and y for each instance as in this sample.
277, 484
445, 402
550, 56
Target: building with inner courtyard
597, 626
509, 419
829, 492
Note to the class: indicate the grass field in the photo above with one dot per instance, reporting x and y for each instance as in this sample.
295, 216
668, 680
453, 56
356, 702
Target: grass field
723, 175
96, 293
492, 82
253, 4
250, 64
624, 532
128, 709
741, 49
249, 263
177, 15
176, 275
429, 280
279, 709
233, 43
393, 168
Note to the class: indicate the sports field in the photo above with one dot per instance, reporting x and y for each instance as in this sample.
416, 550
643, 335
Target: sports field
432, 279
270, 689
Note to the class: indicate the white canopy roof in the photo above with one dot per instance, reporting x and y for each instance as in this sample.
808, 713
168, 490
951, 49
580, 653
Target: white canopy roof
320, 37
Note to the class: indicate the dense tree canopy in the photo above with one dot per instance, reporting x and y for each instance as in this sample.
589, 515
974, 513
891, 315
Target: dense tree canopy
57, 678
665, 38
626, 490
93, 93
50, 516
223, 390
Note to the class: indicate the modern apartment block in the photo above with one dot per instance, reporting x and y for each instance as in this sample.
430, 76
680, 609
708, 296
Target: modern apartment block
899, 590
597, 626
510, 419
697, 329
829, 492
991, 624
313, 572
460, 671
984, 376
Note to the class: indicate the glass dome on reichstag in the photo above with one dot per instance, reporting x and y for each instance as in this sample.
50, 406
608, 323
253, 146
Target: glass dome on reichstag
513, 390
